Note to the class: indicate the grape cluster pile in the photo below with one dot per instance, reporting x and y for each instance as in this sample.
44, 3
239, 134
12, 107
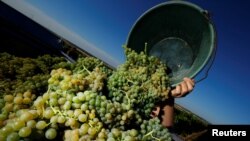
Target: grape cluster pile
84, 101
22, 79
18, 74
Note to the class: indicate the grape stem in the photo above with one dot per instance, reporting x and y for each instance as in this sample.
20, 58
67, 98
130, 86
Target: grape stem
155, 138
43, 109
49, 88
60, 113
151, 134
86, 69
98, 65
53, 109
56, 111
90, 125
131, 81
48, 124
145, 48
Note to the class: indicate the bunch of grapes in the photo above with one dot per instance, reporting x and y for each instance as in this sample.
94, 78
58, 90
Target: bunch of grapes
152, 130
140, 82
128, 135
81, 99
87, 64
149, 130
112, 114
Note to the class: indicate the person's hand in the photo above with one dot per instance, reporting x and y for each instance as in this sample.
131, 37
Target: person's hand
184, 88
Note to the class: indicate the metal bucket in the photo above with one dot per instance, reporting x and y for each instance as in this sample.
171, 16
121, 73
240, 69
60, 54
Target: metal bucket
180, 33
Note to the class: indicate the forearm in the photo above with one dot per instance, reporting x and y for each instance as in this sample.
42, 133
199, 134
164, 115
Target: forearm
167, 113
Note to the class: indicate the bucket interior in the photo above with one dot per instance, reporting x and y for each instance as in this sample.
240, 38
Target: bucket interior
177, 33
174, 52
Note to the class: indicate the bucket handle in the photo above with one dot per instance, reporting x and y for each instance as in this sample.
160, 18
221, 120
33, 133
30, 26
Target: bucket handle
211, 61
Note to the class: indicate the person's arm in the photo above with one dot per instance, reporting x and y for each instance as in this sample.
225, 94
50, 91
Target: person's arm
166, 109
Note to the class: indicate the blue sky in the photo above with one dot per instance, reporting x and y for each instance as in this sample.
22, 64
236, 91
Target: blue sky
223, 97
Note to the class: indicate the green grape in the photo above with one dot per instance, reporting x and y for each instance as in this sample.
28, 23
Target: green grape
13, 137
48, 113
84, 128
124, 117
18, 124
70, 113
77, 112
92, 102
111, 139
27, 94
6, 130
128, 138
82, 117
8, 107
3, 116
34, 113
133, 133
92, 131
26, 100
26, 116
61, 119
76, 105
39, 102
81, 96
76, 99
108, 116
69, 97
46, 96
92, 115
67, 105
41, 125
53, 119
24, 132
102, 135
8, 98
116, 132
51, 133
53, 101
31, 124
71, 122
18, 100
84, 107
61, 100
53, 95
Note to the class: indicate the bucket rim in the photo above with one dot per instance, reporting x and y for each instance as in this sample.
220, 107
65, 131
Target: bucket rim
173, 2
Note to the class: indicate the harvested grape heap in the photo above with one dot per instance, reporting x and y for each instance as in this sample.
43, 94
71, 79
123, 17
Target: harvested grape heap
48, 98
